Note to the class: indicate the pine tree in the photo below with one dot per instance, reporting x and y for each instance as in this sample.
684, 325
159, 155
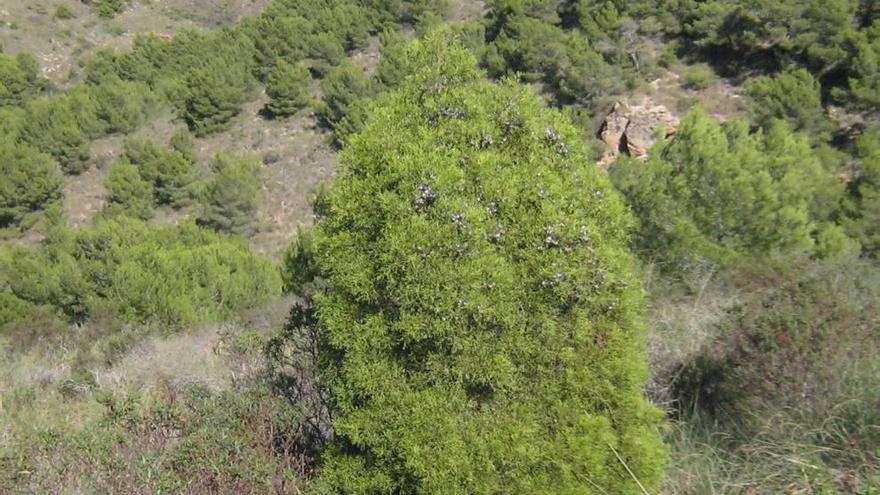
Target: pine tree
232, 196
30, 181
129, 194
288, 89
215, 94
717, 192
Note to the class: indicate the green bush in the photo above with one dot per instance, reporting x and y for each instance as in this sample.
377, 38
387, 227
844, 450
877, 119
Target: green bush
862, 208
699, 77
171, 276
121, 105
231, 198
288, 89
184, 143
214, 95
128, 192
30, 182
63, 12
717, 192
53, 126
342, 89
392, 67
479, 327
20, 79
794, 96
170, 172
108, 8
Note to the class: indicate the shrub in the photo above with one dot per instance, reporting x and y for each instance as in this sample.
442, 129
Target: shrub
232, 196
479, 330
794, 96
172, 440
862, 208
20, 79
791, 373
717, 192
184, 143
30, 182
121, 105
52, 126
170, 172
288, 89
63, 12
342, 88
698, 78
109, 8
129, 193
214, 95
171, 276
392, 67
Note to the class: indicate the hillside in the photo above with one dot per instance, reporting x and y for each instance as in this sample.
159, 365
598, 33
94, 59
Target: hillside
424, 247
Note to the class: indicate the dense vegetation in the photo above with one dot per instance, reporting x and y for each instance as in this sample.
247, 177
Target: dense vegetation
470, 312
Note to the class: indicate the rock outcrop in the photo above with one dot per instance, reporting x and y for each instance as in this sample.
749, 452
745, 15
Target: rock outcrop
630, 129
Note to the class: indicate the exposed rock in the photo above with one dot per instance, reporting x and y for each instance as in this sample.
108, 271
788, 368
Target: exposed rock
629, 129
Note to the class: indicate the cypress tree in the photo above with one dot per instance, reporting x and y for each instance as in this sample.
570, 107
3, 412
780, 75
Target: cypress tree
479, 319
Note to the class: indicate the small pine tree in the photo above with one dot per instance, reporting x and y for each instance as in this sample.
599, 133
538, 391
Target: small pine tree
129, 194
718, 192
170, 172
288, 89
343, 87
214, 95
30, 181
794, 96
479, 321
19, 79
53, 127
391, 68
862, 219
231, 198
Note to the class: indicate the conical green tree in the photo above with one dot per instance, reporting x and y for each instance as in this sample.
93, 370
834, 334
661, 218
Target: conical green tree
288, 89
480, 323
231, 197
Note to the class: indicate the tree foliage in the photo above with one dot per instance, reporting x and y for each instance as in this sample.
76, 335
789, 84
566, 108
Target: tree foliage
231, 198
288, 89
794, 96
171, 276
717, 191
20, 79
129, 193
30, 182
863, 206
479, 320
214, 95
343, 88
170, 172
